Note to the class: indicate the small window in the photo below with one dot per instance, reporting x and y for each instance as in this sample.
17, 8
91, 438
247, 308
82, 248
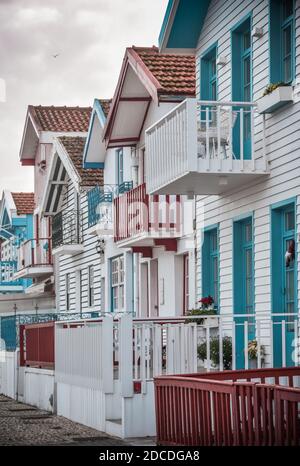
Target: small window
282, 41
186, 290
79, 290
91, 286
68, 290
120, 166
117, 283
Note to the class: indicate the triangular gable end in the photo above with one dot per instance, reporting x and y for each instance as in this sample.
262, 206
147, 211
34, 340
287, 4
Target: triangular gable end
95, 150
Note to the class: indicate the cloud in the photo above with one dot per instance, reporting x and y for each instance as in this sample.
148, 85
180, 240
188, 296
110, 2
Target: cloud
90, 35
30, 16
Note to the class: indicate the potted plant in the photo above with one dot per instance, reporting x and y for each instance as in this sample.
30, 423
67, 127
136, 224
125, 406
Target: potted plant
215, 352
253, 353
275, 96
207, 309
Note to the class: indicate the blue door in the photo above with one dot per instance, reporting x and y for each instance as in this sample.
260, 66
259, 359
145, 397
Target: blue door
9, 332
284, 282
210, 265
243, 287
241, 87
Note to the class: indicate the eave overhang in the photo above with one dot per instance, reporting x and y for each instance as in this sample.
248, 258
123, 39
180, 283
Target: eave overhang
182, 25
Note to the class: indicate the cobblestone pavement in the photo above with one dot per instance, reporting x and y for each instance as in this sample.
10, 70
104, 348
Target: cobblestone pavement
21, 424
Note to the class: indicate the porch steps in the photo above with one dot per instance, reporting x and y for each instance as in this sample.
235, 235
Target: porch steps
114, 427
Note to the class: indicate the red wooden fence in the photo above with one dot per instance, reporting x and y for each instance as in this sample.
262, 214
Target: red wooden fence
229, 408
37, 345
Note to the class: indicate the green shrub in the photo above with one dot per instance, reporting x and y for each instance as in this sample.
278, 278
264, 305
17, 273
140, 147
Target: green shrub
215, 352
271, 87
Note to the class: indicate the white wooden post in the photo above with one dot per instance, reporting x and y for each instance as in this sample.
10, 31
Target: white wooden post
242, 139
221, 362
157, 350
126, 355
191, 129
246, 338
107, 352
283, 342
233, 346
258, 345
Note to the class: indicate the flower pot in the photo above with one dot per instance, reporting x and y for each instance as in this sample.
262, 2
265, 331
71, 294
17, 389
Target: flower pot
253, 364
211, 321
278, 98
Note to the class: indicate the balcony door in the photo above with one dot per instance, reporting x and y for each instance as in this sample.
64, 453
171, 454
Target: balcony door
243, 286
241, 88
149, 289
284, 282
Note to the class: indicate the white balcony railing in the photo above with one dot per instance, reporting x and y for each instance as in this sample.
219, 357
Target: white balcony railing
35, 253
204, 138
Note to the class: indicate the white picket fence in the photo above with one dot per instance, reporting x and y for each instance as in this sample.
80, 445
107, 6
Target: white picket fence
104, 367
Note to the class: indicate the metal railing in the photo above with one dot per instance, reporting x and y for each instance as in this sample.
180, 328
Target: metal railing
103, 196
66, 228
7, 271
204, 136
35, 253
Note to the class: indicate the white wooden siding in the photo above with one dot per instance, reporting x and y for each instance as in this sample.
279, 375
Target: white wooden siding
282, 144
81, 261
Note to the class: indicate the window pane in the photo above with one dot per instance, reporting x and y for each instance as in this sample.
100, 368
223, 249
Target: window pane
121, 291
248, 232
247, 40
289, 221
287, 9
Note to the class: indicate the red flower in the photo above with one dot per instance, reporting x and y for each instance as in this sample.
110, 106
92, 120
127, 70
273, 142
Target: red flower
207, 301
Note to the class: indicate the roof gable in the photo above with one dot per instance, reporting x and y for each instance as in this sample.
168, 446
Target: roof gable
51, 119
182, 24
95, 150
66, 165
24, 203
146, 76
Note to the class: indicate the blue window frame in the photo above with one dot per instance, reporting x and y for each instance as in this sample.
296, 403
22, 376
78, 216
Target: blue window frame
243, 266
284, 277
241, 44
210, 264
282, 41
208, 81
120, 166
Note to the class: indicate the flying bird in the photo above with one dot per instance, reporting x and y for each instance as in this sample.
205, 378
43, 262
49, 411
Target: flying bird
56, 55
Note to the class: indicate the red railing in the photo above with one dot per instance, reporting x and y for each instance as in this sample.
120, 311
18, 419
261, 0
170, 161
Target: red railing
229, 408
35, 253
37, 345
136, 213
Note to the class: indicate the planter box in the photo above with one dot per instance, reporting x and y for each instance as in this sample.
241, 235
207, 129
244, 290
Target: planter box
278, 98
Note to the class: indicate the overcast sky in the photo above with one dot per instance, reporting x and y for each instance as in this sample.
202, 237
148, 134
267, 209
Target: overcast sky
89, 35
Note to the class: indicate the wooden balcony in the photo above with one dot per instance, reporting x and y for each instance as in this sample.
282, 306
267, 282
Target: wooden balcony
35, 259
143, 221
204, 147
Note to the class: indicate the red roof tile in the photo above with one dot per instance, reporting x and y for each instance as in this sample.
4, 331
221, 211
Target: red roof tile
105, 104
74, 147
62, 119
24, 203
175, 73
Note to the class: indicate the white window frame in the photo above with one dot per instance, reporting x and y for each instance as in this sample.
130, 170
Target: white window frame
117, 284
